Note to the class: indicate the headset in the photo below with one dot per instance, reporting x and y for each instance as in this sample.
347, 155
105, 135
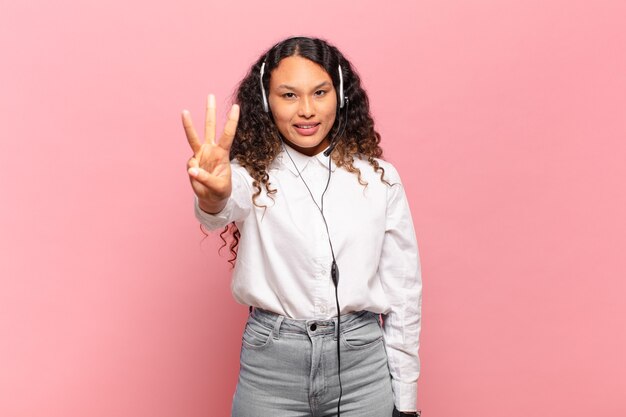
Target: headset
266, 106
334, 269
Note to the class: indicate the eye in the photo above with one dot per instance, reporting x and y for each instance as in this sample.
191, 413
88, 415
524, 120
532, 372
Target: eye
288, 95
320, 93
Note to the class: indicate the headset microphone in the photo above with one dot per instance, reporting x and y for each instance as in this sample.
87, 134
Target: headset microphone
330, 149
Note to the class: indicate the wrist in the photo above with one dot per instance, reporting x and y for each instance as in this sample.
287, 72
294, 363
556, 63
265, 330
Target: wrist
212, 207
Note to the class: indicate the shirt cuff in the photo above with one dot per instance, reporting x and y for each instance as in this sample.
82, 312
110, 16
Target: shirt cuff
405, 396
213, 221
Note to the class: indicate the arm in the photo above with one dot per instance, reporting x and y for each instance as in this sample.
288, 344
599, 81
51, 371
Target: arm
400, 273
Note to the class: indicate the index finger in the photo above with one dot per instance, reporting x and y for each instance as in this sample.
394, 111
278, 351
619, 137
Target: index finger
209, 122
226, 140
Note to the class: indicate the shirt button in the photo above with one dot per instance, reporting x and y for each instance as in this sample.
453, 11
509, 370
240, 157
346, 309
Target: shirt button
313, 327
323, 272
323, 310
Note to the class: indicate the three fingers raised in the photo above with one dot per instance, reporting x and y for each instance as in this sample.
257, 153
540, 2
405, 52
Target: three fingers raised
228, 135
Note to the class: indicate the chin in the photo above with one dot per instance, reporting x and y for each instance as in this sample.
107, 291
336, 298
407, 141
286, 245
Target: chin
305, 146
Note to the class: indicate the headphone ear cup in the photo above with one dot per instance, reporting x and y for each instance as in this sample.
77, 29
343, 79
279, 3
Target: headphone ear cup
341, 96
266, 106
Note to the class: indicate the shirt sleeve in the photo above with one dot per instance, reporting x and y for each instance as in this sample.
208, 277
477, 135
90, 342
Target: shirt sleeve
237, 207
400, 273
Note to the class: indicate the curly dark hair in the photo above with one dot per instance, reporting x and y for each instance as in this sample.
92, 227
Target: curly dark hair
257, 140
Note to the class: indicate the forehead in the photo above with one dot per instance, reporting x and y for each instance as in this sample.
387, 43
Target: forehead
298, 72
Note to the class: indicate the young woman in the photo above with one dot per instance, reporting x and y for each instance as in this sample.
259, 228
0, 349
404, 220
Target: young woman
321, 236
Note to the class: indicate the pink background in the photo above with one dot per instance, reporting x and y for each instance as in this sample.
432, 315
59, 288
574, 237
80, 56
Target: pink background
506, 120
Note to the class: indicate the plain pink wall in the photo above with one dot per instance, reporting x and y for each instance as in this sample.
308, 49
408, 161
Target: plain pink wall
506, 120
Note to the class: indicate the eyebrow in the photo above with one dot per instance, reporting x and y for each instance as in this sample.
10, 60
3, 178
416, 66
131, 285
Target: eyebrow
325, 83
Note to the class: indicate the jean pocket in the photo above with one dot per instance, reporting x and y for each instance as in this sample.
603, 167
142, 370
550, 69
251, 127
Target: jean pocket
363, 335
256, 335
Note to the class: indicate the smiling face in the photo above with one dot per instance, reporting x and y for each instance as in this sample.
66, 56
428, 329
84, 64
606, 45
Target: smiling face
303, 102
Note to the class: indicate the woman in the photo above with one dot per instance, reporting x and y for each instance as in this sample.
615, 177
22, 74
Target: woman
321, 236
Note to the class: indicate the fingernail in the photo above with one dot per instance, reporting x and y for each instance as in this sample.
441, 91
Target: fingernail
211, 100
193, 171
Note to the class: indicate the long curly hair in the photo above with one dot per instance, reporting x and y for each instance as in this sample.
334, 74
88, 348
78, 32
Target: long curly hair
257, 140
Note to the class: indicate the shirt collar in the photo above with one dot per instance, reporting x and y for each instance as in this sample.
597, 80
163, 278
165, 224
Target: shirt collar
302, 161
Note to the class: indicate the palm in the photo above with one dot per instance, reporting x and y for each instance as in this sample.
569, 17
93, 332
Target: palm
212, 183
216, 162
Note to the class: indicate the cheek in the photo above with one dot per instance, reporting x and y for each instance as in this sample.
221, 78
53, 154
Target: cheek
282, 123
330, 113
331, 116
282, 120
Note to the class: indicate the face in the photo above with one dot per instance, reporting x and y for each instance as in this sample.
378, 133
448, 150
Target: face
303, 102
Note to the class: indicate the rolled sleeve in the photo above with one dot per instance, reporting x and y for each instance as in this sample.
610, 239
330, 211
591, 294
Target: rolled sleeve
400, 273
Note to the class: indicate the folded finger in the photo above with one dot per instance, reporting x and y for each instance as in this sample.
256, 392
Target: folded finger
192, 162
201, 176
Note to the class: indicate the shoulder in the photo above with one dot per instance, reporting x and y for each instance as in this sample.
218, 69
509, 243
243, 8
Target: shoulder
236, 166
240, 174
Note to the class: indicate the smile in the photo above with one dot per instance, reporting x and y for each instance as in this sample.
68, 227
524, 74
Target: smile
307, 126
308, 129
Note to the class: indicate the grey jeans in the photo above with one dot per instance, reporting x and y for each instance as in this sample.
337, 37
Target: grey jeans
288, 367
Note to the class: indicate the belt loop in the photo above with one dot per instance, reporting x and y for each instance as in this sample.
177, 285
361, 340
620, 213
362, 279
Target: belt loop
277, 323
336, 330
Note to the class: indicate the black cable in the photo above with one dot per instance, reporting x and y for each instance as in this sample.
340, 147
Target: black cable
334, 269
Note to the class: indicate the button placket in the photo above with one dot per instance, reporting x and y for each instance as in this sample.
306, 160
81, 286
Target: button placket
320, 286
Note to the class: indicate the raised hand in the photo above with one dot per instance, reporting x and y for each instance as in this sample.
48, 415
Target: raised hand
209, 167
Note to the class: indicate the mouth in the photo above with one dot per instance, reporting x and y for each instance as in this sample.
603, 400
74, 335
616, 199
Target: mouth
306, 129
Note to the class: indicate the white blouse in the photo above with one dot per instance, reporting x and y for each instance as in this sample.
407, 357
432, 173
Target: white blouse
284, 258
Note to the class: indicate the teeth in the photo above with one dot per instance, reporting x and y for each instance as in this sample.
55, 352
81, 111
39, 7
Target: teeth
306, 127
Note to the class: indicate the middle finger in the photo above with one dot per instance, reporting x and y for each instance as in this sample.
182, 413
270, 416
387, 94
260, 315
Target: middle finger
209, 123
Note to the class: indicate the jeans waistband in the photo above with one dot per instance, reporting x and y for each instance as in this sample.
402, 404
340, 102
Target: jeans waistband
307, 326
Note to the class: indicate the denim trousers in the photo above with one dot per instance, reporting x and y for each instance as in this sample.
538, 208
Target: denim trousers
288, 368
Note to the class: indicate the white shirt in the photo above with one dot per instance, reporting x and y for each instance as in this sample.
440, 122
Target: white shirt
284, 258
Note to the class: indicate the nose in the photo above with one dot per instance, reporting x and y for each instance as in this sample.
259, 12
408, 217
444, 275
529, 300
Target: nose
307, 107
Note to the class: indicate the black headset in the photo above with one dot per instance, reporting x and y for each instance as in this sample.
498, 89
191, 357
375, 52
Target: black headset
334, 269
